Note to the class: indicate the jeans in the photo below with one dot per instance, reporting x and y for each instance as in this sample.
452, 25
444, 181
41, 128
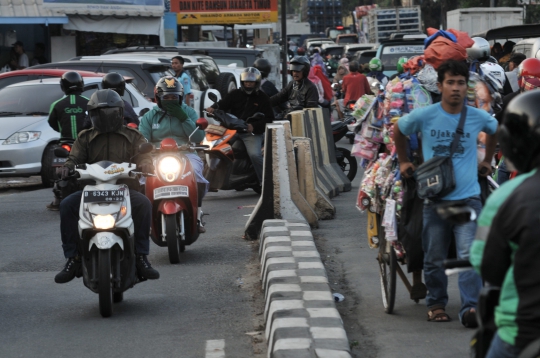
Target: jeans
502, 172
253, 143
436, 239
501, 349
141, 212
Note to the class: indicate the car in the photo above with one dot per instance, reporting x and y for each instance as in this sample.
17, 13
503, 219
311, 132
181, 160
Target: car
529, 47
333, 50
363, 57
27, 140
347, 39
398, 45
333, 32
350, 49
303, 38
9, 78
226, 60
145, 72
310, 44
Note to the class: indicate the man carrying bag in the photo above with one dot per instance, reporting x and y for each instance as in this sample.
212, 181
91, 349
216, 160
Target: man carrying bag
440, 180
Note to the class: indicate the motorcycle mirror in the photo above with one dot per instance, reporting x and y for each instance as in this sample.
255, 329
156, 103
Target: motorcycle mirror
456, 213
143, 111
146, 148
61, 152
212, 96
202, 123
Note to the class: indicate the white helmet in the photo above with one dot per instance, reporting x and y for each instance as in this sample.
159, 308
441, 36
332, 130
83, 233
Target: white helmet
495, 74
480, 50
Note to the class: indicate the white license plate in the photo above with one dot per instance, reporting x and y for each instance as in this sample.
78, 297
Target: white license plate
172, 191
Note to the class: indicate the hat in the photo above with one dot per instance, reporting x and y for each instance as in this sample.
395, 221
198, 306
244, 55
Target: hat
17, 43
517, 58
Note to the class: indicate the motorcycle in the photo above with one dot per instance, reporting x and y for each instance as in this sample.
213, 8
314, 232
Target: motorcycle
344, 158
228, 165
106, 230
174, 196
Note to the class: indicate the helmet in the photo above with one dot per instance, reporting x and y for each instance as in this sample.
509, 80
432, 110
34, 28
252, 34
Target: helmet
375, 64
528, 68
71, 82
494, 74
402, 60
106, 109
300, 63
492, 60
250, 74
168, 85
301, 51
480, 50
519, 133
114, 81
263, 65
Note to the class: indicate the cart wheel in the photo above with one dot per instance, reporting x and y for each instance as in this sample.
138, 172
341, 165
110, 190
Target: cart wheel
387, 268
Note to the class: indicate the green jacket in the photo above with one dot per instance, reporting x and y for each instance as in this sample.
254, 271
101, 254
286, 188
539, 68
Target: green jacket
157, 125
92, 146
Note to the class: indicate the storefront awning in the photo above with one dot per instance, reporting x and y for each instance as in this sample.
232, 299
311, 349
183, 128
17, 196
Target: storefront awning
128, 25
28, 12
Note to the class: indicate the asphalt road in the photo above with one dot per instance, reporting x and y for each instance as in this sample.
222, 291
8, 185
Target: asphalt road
212, 297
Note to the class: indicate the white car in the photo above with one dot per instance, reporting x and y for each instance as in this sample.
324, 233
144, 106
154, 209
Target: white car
26, 139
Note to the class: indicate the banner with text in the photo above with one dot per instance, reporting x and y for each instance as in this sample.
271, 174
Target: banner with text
107, 7
213, 12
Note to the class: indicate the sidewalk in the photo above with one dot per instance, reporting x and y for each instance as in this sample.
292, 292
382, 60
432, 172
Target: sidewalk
353, 271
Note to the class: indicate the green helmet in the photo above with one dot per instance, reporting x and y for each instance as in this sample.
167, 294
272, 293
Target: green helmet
375, 64
402, 60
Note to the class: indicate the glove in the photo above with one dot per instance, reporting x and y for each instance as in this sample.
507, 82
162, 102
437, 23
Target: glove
63, 172
147, 168
174, 109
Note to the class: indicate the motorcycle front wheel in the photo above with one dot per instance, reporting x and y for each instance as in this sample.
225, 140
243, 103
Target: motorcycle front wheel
104, 283
171, 230
348, 163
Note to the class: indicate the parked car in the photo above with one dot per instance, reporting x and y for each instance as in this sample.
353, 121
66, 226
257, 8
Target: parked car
399, 45
347, 39
145, 72
350, 49
223, 58
27, 141
9, 78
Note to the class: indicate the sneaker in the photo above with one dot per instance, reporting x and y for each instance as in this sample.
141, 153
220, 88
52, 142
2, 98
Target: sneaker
73, 265
53, 207
202, 230
145, 269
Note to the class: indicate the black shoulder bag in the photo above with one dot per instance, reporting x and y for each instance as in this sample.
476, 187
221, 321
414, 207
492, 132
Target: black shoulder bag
435, 178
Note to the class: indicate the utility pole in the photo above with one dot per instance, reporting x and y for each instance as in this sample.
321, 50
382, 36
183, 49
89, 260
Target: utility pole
284, 56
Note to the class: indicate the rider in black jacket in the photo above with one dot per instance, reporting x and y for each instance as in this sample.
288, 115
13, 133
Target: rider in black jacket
301, 92
264, 66
244, 103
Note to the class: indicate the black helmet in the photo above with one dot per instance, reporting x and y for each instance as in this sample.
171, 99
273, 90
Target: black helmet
168, 85
106, 110
71, 82
250, 74
263, 65
519, 134
300, 63
114, 81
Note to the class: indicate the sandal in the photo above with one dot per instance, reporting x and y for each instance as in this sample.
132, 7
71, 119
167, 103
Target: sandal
469, 319
438, 315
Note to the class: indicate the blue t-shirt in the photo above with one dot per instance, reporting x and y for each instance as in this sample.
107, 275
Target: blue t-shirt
186, 82
438, 128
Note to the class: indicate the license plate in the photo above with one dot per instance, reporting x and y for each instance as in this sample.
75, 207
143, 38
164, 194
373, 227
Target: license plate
172, 191
103, 196
58, 162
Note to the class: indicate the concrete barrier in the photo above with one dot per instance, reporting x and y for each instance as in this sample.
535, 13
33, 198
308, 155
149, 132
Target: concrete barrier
307, 180
323, 130
280, 197
299, 128
300, 312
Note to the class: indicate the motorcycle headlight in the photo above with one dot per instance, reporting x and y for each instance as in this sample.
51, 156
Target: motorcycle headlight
104, 222
169, 168
22, 137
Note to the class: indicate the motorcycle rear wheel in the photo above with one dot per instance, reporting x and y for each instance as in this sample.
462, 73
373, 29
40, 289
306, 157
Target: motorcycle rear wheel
348, 163
104, 283
171, 230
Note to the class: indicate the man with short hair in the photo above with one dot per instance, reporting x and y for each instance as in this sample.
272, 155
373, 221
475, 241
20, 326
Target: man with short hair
438, 124
21, 62
354, 85
511, 85
177, 64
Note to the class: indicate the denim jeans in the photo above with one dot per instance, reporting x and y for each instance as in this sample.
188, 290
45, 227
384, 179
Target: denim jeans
436, 239
501, 349
253, 143
141, 212
502, 172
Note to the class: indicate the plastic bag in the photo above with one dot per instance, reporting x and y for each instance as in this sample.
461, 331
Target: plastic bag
442, 49
428, 78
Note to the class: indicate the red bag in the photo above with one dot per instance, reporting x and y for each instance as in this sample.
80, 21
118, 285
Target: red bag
442, 49
463, 38
415, 64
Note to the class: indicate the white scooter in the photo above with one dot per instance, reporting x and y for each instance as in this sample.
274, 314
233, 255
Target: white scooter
106, 230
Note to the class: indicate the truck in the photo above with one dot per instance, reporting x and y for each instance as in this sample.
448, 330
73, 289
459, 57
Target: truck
382, 22
480, 19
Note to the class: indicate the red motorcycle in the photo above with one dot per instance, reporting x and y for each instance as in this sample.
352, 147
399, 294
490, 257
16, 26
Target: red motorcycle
173, 193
